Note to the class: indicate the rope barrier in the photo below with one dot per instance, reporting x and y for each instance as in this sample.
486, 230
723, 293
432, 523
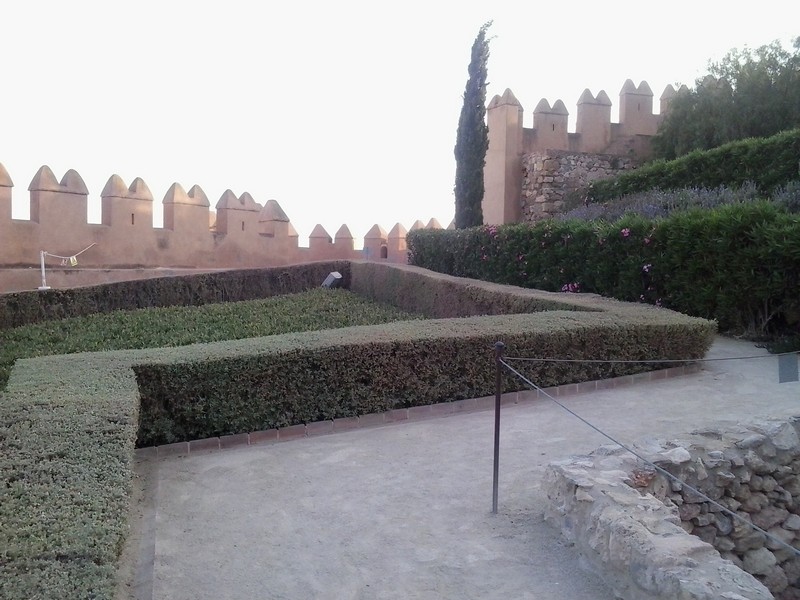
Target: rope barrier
69, 257
644, 361
667, 474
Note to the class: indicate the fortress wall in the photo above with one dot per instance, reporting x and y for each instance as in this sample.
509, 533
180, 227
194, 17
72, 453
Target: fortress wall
553, 181
513, 193
239, 233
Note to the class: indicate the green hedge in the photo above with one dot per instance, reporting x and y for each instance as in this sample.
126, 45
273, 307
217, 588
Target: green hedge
218, 389
23, 308
318, 308
253, 385
68, 423
767, 162
429, 294
67, 431
738, 264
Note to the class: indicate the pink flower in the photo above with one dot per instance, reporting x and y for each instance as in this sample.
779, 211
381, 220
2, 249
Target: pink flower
647, 241
625, 232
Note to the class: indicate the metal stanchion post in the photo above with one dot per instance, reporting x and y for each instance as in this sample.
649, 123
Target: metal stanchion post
499, 347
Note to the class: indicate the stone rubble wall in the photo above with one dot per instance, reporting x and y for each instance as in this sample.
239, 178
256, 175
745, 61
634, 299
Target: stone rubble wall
555, 181
631, 523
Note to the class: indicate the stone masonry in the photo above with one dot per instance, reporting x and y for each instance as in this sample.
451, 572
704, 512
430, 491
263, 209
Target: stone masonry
554, 181
631, 522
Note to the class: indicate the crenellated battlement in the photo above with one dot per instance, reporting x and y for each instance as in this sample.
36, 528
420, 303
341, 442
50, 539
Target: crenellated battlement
595, 133
238, 233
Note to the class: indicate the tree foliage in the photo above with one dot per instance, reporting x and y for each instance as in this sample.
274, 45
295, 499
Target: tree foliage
472, 138
749, 93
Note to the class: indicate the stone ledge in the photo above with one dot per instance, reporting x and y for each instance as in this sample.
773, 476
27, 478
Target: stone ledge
630, 522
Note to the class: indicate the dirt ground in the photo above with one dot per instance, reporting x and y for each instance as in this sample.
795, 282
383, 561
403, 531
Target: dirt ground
404, 510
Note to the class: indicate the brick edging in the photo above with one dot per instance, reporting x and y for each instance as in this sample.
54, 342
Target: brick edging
414, 413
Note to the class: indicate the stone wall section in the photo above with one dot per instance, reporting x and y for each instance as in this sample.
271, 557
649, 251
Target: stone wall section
631, 523
238, 232
554, 181
510, 143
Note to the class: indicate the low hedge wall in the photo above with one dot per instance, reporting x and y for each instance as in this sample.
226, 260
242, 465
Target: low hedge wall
260, 384
428, 293
22, 308
67, 431
68, 423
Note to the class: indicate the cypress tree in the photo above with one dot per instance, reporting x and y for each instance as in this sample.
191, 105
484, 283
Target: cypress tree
472, 138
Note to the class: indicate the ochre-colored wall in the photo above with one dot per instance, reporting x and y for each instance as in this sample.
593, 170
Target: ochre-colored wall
240, 233
510, 142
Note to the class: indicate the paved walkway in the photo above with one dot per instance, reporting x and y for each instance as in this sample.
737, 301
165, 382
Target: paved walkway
404, 510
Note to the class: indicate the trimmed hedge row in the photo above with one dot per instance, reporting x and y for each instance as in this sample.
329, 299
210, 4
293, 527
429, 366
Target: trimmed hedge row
767, 162
318, 308
738, 264
429, 294
68, 423
262, 384
67, 432
218, 389
23, 308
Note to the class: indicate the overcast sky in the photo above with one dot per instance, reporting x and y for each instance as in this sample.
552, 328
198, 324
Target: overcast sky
344, 112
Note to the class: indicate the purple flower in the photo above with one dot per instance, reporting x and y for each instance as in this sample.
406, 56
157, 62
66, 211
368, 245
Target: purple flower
625, 232
571, 288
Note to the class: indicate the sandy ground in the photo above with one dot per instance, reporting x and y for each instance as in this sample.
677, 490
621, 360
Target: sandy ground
404, 511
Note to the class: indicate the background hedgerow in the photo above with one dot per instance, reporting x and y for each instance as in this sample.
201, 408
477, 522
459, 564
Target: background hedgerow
737, 263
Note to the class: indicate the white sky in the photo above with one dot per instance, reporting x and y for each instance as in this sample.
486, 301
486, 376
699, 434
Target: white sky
344, 112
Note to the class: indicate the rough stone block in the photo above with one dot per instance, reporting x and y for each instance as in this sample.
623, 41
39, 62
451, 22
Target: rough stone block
759, 561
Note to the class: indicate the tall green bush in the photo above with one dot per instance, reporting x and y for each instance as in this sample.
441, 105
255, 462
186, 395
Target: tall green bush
738, 264
472, 137
751, 93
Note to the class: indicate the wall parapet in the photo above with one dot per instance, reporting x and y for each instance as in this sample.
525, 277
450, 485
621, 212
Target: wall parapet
238, 233
595, 134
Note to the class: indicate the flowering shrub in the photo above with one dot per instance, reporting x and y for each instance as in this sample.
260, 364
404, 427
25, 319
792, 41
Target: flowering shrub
738, 263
